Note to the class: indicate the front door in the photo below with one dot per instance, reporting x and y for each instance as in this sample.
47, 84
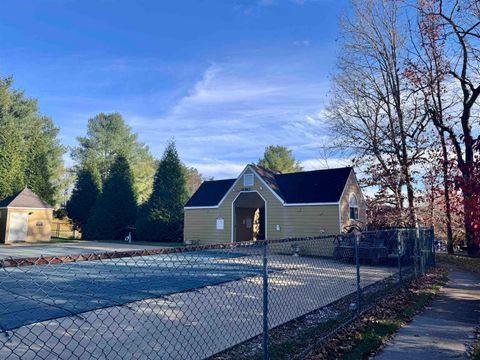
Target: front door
18, 227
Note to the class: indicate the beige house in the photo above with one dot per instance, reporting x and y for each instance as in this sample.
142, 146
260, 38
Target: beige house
261, 204
25, 217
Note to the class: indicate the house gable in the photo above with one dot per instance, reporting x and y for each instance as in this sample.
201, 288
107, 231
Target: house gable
309, 188
352, 187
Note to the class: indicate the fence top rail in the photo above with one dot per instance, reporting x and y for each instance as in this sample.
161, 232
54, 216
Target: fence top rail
60, 259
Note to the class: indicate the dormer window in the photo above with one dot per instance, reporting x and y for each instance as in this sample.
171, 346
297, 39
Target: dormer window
248, 180
353, 205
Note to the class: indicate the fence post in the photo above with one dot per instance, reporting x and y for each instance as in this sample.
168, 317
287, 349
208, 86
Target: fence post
265, 301
415, 252
432, 246
422, 251
399, 255
357, 261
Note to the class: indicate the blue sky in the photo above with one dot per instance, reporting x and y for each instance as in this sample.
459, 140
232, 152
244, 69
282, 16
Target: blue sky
224, 78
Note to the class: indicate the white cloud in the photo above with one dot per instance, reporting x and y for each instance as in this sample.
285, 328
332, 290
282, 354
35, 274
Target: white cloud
234, 111
325, 163
219, 169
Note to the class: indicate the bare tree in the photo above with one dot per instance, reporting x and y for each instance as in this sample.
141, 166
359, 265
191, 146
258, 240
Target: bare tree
372, 110
458, 25
427, 71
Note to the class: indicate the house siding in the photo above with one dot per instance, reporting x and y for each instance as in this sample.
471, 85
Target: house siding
352, 187
294, 221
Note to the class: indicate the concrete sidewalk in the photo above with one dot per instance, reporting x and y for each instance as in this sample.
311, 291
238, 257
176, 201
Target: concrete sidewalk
446, 328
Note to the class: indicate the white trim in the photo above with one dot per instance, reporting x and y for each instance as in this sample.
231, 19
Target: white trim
340, 218
200, 207
350, 207
26, 208
233, 185
284, 204
359, 188
340, 201
312, 204
233, 212
248, 167
345, 186
268, 186
248, 176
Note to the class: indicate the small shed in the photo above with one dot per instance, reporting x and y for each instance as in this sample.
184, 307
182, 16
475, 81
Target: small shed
25, 217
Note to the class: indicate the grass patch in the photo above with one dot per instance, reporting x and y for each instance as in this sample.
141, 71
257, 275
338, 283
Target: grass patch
462, 261
284, 350
372, 338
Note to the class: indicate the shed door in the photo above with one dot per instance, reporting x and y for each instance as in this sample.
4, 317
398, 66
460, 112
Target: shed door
18, 226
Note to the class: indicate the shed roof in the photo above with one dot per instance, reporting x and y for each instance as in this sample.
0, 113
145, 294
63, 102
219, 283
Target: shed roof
25, 199
306, 187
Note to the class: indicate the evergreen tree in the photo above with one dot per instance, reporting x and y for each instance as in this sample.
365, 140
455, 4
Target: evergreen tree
161, 218
11, 162
43, 160
84, 196
279, 158
30, 151
116, 207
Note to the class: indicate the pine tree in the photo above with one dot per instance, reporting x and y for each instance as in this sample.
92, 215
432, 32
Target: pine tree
84, 196
116, 207
161, 218
279, 158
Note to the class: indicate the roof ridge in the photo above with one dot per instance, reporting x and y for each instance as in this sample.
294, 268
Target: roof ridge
316, 170
27, 193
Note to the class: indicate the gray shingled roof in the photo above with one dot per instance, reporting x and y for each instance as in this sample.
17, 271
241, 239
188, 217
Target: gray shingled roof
25, 199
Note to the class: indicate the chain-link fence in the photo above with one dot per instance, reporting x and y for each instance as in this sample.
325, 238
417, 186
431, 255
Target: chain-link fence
197, 302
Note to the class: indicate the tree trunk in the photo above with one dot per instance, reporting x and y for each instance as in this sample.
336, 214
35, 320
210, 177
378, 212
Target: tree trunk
412, 215
446, 189
472, 247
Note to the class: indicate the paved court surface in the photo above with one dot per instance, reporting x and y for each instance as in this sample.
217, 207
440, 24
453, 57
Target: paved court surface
18, 251
188, 308
36, 293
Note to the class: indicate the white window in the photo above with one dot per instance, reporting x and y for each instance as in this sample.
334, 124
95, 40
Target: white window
353, 206
220, 224
248, 180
